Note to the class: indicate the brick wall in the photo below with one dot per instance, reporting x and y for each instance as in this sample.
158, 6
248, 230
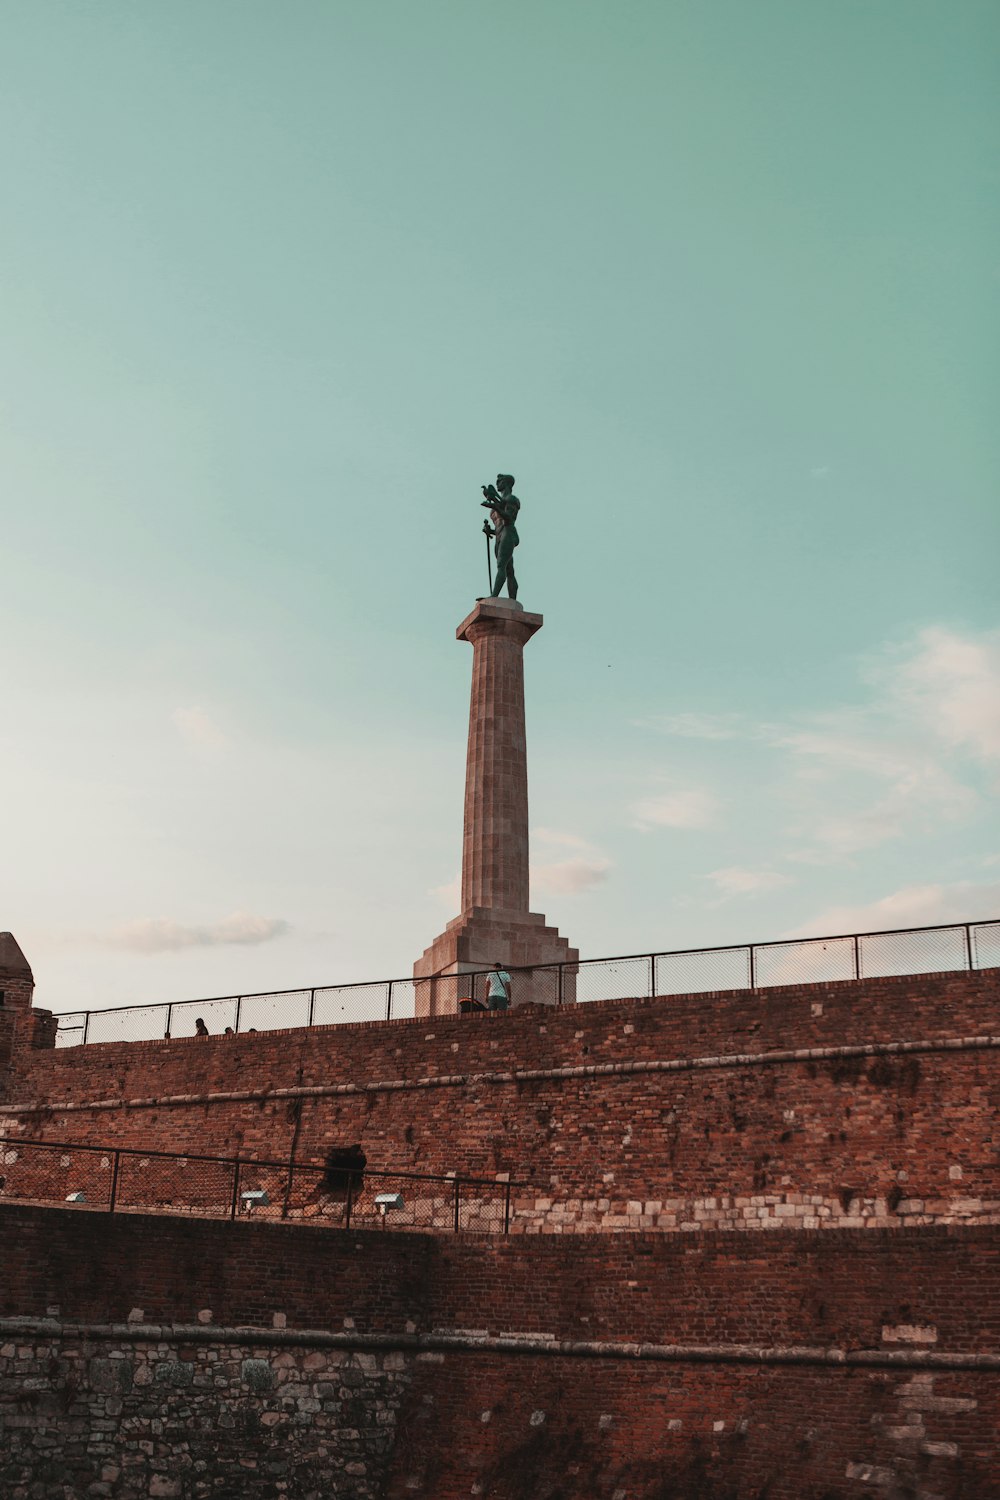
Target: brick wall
639, 1367
824, 1105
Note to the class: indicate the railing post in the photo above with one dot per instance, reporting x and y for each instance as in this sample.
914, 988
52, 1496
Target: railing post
239, 1011
168, 1030
235, 1200
312, 1008
86, 1027
506, 1210
857, 956
350, 1195
458, 1188
114, 1183
753, 968
559, 985
968, 945
388, 1003
652, 975
288, 1190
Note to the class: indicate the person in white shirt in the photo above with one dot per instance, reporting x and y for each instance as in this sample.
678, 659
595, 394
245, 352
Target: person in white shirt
499, 995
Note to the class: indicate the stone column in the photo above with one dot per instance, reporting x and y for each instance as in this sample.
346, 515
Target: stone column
495, 845
495, 922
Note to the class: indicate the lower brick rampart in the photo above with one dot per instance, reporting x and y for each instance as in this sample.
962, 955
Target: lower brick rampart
185, 1358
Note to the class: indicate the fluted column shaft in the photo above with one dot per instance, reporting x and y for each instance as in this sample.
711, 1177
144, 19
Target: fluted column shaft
495, 841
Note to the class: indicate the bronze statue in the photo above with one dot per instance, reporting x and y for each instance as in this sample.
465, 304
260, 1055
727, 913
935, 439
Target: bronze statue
503, 506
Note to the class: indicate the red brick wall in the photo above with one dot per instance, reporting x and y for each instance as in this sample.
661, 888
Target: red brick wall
824, 1139
518, 1423
781, 1288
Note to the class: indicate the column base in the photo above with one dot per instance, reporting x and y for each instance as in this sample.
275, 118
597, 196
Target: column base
475, 942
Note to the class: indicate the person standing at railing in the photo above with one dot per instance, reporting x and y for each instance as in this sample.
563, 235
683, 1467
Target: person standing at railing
200, 1029
499, 993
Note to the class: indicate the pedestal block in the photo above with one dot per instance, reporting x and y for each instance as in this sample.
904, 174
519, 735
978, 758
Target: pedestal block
495, 923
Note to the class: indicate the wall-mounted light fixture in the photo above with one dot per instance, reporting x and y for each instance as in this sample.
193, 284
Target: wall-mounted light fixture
385, 1201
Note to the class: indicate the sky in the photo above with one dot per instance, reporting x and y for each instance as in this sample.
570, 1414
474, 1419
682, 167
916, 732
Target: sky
282, 286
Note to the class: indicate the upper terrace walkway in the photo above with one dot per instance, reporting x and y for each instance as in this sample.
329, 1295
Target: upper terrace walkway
751, 966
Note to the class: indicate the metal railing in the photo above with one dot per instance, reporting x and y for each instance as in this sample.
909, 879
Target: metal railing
123, 1180
866, 955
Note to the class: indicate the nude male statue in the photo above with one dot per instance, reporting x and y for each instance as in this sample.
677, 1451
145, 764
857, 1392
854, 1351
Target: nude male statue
503, 506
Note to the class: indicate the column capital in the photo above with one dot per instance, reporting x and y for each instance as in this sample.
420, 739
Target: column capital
500, 617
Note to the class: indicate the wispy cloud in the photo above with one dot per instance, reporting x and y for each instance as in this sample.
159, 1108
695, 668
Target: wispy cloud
693, 726
449, 894
161, 935
691, 808
951, 682
198, 729
566, 877
836, 765
910, 906
734, 881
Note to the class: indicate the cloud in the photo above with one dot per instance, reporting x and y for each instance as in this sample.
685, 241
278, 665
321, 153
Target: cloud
160, 935
687, 809
692, 726
566, 877
569, 876
198, 729
449, 894
910, 906
934, 720
952, 684
735, 881
554, 837
842, 818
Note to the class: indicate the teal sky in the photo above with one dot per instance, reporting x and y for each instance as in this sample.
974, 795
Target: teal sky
282, 285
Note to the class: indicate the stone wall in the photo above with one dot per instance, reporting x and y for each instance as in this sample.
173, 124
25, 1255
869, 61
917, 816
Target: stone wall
162, 1357
849, 1104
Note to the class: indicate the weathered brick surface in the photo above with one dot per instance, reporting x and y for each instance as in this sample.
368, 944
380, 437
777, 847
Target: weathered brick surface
788, 1287
238, 1415
820, 1141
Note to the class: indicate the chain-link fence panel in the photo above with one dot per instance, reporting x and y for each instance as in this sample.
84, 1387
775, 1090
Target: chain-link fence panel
402, 1001
537, 986
481, 1207
810, 962
70, 1027
611, 978
137, 1023
216, 1015
931, 952
173, 1184
274, 1012
264, 1190
695, 973
438, 995
351, 1002
51, 1173
386, 1201
984, 940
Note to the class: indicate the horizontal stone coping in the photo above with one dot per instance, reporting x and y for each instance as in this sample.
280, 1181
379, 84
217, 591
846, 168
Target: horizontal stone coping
523, 1075
463, 1341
